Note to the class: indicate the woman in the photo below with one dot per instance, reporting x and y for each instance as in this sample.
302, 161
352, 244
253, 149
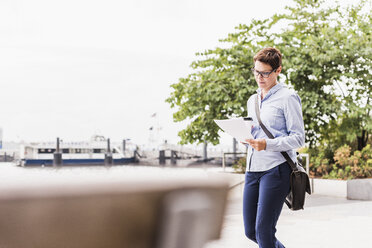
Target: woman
267, 174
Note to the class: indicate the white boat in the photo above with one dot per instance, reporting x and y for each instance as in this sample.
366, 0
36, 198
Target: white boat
78, 153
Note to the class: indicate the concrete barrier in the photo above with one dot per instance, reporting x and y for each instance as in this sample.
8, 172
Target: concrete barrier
355, 189
359, 189
171, 213
329, 187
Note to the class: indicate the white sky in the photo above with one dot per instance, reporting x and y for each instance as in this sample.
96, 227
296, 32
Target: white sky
74, 68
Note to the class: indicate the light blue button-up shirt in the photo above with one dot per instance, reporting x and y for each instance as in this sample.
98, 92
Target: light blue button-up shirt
281, 113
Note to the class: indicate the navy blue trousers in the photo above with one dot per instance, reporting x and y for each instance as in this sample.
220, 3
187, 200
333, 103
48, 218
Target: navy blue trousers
263, 199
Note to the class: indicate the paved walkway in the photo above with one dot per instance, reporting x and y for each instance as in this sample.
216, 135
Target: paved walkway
326, 222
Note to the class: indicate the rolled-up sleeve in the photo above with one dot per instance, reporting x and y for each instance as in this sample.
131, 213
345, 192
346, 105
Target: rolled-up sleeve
295, 127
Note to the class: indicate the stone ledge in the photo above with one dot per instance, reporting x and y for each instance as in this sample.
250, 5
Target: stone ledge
142, 212
355, 189
359, 189
329, 187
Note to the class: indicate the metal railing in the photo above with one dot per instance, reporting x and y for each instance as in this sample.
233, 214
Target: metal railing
229, 153
306, 155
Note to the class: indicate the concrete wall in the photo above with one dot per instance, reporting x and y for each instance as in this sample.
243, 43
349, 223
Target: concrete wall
329, 187
359, 189
337, 188
103, 213
356, 189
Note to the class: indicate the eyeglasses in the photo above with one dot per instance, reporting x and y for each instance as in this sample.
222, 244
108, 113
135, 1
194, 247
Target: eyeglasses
263, 74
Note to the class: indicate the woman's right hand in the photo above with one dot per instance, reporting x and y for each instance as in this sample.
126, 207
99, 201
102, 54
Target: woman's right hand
257, 144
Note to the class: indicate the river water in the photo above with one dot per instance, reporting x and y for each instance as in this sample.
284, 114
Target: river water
11, 174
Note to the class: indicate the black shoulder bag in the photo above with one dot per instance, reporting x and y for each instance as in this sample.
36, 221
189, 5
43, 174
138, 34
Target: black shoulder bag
299, 180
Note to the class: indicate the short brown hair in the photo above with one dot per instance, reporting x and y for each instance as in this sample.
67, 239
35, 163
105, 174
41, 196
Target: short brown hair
269, 55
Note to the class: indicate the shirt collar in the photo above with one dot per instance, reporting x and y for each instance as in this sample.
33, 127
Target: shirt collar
274, 89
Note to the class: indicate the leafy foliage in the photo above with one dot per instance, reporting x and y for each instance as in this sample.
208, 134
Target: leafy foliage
326, 59
240, 165
347, 165
344, 165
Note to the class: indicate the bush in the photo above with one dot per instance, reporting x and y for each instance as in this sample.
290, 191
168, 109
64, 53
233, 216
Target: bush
320, 161
342, 165
240, 165
345, 166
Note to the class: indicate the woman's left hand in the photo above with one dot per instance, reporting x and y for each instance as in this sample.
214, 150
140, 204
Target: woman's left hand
257, 144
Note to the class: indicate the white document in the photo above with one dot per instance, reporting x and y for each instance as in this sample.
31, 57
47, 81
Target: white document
236, 127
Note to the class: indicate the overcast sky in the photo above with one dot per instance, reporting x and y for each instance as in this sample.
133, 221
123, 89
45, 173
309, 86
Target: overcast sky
74, 68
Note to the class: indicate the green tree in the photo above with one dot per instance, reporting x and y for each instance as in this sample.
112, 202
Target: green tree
327, 60
355, 120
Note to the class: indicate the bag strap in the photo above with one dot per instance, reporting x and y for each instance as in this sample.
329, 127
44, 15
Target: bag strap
267, 132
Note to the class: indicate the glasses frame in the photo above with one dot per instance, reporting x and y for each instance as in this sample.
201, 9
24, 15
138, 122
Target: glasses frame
262, 74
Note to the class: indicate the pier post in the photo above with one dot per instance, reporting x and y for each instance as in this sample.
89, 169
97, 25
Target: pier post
205, 155
162, 157
234, 149
57, 156
124, 145
173, 158
108, 154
